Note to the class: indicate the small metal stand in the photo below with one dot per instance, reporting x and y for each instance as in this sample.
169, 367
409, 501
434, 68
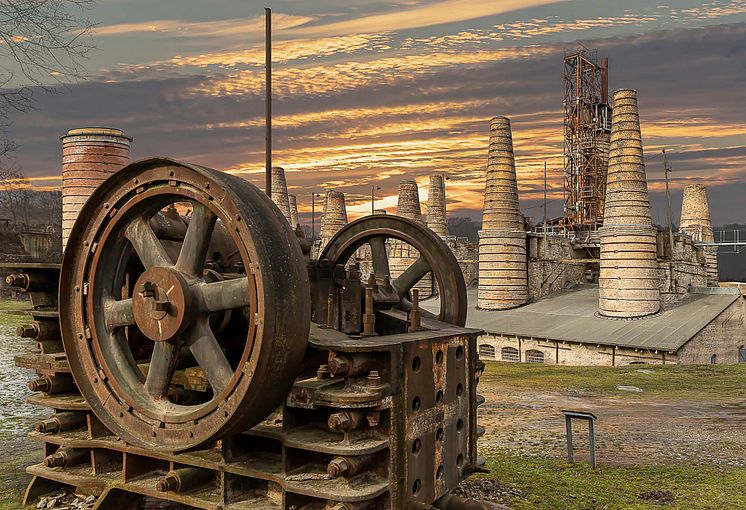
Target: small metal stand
569, 415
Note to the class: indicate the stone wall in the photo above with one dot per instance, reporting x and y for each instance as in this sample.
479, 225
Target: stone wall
687, 269
722, 338
567, 353
553, 263
467, 255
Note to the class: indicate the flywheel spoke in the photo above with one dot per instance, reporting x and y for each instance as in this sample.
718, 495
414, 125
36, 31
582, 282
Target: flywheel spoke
196, 241
225, 295
146, 244
118, 314
209, 355
380, 257
162, 364
409, 278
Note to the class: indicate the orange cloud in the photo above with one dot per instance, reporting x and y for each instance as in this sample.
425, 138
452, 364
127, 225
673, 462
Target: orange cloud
239, 27
322, 79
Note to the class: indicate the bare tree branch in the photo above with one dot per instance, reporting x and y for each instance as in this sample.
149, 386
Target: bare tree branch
42, 43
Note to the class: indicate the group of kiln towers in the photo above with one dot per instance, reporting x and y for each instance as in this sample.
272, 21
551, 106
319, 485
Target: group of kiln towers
628, 279
628, 282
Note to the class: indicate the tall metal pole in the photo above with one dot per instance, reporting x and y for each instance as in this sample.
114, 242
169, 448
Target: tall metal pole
666, 169
545, 203
372, 199
313, 216
268, 92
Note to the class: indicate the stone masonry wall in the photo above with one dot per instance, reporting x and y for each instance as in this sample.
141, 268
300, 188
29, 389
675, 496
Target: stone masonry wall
687, 268
565, 353
722, 338
467, 255
553, 263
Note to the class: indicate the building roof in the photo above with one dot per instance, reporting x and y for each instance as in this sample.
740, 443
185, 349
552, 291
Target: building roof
570, 315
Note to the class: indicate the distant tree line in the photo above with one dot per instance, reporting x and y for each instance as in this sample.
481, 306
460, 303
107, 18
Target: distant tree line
23, 208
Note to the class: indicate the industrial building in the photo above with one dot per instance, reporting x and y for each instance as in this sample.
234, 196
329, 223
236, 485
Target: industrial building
600, 286
621, 294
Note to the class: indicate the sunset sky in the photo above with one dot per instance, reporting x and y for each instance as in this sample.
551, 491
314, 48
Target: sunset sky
370, 92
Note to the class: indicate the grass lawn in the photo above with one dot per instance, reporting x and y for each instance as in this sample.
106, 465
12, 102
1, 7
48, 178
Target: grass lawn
708, 381
552, 484
9, 319
546, 482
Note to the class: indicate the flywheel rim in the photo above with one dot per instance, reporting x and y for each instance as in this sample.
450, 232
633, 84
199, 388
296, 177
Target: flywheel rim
273, 347
438, 256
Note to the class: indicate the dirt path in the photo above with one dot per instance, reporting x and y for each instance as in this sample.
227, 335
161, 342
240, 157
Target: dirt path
630, 429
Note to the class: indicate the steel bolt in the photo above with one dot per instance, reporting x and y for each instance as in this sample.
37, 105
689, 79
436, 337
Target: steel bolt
55, 460
27, 331
46, 426
338, 467
43, 384
338, 365
339, 421
374, 378
16, 280
323, 372
168, 483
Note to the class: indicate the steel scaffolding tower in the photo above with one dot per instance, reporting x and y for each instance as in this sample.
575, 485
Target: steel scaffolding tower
587, 129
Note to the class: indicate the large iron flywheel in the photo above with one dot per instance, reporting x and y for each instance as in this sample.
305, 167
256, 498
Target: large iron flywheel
377, 231
169, 352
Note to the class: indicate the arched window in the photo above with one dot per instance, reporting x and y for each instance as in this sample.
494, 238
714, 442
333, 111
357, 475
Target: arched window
534, 356
487, 351
713, 359
742, 354
509, 354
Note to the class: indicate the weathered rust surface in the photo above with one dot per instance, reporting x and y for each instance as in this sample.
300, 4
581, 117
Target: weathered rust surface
380, 407
250, 367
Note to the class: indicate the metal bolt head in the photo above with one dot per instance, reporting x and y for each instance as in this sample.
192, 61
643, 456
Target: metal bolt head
374, 378
26, 331
338, 365
339, 421
55, 460
338, 467
168, 483
322, 372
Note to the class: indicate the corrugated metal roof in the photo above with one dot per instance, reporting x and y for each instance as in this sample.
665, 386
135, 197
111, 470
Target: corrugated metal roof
570, 316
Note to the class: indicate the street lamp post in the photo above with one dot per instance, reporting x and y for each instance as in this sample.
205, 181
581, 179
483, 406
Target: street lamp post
314, 195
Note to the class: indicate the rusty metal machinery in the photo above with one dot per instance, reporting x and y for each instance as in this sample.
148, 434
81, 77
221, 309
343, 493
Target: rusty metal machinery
207, 362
